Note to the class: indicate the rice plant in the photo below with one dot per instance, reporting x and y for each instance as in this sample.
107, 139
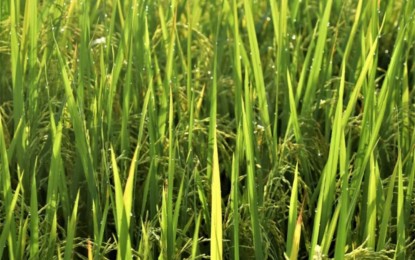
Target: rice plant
175, 129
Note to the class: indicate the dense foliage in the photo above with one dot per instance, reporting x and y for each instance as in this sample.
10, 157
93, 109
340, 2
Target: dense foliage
207, 129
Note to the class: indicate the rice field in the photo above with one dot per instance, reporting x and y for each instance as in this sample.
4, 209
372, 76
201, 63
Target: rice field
233, 129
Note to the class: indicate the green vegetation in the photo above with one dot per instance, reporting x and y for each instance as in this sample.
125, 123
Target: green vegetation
173, 129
